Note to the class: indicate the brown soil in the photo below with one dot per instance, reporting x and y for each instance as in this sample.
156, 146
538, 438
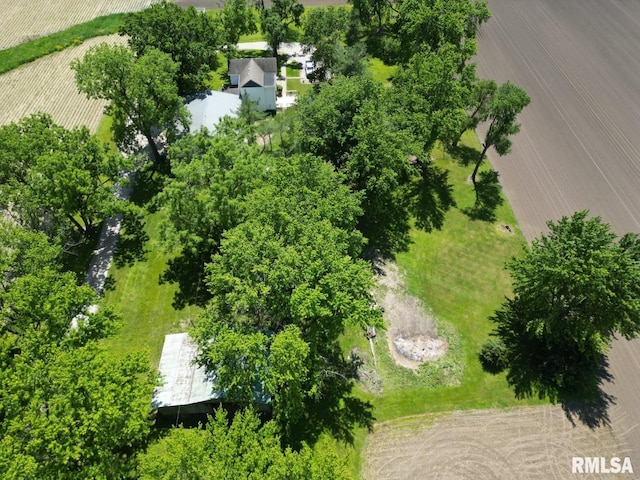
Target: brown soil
578, 147
412, 334
520, 443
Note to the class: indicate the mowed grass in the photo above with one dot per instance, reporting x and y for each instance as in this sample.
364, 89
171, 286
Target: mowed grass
142, 302
13, 57
380, 71
458, 273
298, 86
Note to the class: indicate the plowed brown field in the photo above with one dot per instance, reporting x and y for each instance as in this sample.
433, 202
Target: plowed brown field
48, 85
523, 443
579, 147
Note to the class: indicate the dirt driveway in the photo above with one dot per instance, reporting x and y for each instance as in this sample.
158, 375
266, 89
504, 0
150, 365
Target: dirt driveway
521, 443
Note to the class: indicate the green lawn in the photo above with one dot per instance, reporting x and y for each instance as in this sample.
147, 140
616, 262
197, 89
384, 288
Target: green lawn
298, 86
294, 71
144, 304
458, 274
381, 71
13, 57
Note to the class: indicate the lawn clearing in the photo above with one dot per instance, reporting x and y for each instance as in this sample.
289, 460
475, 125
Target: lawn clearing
457, 274
295, 84
48, 85
24, 21
144, 304
381, 71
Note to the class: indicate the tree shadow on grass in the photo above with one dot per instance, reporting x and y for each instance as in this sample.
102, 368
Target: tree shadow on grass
147, 186
488, 197
558, 371
131, 246
463, 154
337, 410
187, 271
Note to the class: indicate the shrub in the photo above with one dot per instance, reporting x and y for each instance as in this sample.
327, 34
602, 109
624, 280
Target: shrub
493, 356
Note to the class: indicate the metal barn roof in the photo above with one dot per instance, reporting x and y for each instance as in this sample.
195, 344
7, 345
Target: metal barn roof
184, 382
207, 108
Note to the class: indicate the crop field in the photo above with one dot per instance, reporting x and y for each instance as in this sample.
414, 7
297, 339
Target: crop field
579, 146
23, 21
48, 85
523, 443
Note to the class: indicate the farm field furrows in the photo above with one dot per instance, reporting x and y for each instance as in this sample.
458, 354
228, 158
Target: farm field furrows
579, 146
22, 21
523, 443
48, 85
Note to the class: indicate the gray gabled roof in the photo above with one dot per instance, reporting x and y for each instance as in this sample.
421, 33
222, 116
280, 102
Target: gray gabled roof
252, 70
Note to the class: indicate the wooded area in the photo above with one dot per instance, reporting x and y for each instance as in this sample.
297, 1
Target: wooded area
277, 245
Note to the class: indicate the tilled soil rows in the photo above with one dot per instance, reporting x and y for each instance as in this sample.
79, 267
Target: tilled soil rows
519, 443
48, 85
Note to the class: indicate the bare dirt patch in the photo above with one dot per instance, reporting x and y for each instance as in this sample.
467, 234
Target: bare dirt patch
48, 85
412, 333
520, 443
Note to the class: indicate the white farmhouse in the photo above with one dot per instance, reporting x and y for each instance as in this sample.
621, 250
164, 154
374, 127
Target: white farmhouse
257, 78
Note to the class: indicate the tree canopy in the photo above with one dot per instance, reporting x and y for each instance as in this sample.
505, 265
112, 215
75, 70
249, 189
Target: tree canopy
275, 21
348, 124
573, 290
325, 31
191, 38
203, 198
67, 408
242, 448
57, 181
430, 94
433, 24
500, 112
238, 17
141, 91
284, 285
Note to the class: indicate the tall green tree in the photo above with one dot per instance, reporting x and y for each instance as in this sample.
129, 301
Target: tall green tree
56, 180
241, 448
238, 17
348, 124
432, 24
325, 29
191, 38
141, 91
430, 94
287, 278
480, 95
276, 20
203, 198
67, 408
574, 288
73, 413
373, 12
501, 113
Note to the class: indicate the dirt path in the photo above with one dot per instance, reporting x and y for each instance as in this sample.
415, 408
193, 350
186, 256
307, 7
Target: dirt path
522, 443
